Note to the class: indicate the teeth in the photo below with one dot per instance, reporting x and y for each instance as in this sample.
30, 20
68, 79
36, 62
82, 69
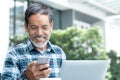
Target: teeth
39, 38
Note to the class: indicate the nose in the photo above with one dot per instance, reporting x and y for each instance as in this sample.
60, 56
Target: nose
39, 32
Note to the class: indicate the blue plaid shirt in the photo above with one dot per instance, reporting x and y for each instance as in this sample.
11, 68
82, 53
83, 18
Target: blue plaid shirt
24, 53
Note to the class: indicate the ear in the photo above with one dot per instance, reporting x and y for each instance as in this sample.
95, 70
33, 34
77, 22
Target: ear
26, 27
52, 24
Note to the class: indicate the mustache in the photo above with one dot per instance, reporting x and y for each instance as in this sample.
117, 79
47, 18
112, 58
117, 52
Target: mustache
36, 36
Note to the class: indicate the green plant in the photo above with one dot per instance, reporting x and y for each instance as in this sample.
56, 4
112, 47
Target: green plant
115, 65
17, 39
80, 44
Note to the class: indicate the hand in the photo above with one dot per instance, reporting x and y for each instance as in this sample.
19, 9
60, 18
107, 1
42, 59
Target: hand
34, 72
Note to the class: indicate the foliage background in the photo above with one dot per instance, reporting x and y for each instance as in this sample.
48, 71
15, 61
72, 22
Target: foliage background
80, 44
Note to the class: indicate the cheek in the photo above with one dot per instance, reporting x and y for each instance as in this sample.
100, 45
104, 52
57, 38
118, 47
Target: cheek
31, 34
48, 33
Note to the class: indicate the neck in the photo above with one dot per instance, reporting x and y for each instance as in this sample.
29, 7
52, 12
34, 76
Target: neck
42, 48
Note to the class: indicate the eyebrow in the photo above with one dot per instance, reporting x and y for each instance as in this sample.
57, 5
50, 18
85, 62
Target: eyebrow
45, 25
38, 26
32, 25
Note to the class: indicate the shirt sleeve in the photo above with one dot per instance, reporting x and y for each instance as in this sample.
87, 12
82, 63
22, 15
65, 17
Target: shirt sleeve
11, 69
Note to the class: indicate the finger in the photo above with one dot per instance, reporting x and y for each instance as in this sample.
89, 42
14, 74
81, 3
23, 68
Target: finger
48, 73
45, 73
32, 64
43, 67
43, 76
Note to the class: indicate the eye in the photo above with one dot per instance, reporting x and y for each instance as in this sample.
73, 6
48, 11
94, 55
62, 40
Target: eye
33, 27
45, 26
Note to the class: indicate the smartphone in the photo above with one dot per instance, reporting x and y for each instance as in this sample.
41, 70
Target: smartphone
43, 60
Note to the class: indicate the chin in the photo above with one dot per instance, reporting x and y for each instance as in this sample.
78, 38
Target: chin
40, 45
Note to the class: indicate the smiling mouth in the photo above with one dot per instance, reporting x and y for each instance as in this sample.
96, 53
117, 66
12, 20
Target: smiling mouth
40, 39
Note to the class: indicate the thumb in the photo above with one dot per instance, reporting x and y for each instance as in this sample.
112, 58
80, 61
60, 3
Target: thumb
32, 64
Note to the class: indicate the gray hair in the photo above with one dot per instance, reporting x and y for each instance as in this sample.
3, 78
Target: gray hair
37, 8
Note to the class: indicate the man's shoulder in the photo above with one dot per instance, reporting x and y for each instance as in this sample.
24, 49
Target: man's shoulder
19, 48
21, 45
57, 48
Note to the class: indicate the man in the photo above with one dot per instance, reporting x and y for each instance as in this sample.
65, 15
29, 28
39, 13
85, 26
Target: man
20, 63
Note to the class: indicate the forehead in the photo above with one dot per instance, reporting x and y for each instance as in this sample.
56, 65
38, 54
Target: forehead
41, 18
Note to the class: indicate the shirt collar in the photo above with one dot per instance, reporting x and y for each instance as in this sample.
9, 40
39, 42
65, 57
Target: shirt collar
50, 47
29, 44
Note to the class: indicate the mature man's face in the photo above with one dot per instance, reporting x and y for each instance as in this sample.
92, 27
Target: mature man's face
39, 29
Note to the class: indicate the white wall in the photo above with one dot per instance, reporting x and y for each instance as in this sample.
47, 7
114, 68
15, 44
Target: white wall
111, 33
4, 30
112, 36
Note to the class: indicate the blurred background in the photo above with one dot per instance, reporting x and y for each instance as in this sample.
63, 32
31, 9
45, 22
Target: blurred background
85, 29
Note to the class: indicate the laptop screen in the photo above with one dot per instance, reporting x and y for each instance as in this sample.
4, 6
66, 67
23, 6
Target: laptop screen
84, 69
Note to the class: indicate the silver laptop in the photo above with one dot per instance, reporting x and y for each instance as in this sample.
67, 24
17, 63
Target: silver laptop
84, 69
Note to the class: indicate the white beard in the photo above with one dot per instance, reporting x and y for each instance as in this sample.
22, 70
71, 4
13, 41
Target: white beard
39, 45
